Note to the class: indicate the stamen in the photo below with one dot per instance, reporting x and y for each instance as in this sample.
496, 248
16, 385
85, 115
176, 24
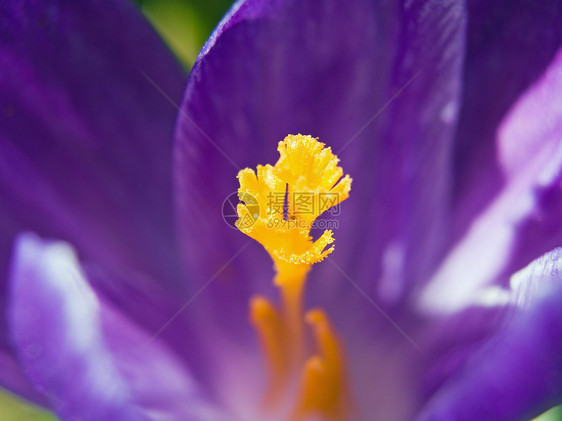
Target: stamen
323, 385
267, 322
308, 180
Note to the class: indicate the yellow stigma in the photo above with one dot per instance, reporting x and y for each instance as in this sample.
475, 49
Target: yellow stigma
289, 196
281, 203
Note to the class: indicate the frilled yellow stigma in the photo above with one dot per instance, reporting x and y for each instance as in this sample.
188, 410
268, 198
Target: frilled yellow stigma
305, 182
281, 204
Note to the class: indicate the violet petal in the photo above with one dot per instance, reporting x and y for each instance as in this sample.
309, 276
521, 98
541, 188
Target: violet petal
509, 46
517, 374
14, 380
325, 69
85, 356
523, 221
86, 139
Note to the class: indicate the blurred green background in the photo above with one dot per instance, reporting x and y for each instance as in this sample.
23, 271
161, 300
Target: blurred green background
185, 25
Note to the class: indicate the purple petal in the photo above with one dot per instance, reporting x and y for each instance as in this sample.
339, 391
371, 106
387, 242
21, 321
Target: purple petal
88, 359
85, 140
509, 46
538, 279
523, 221
162, 315
518, 374
15, 381
327, 69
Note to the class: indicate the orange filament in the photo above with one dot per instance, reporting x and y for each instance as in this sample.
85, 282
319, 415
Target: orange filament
272, 333
308, 181
270, 327
323, 389
281, 333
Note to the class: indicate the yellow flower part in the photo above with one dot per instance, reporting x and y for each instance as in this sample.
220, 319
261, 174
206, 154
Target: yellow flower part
310, 171
305, 182
281, 203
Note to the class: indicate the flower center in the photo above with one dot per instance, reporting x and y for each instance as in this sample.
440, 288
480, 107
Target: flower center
281, 204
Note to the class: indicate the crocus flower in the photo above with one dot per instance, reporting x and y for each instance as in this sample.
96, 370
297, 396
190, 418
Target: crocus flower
125, 295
